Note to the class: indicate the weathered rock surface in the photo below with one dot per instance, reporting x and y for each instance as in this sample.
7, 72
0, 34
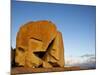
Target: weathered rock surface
39, 44
55, 54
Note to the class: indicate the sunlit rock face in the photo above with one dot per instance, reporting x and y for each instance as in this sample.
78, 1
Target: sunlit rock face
39, 44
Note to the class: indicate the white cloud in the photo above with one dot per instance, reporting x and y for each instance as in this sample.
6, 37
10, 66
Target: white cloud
87, 61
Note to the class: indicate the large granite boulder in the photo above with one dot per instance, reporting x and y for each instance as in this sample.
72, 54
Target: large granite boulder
39, 44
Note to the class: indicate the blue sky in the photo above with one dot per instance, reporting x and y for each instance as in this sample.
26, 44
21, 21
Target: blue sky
76, 22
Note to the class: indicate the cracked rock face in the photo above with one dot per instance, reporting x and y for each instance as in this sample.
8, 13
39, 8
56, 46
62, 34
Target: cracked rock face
39, 44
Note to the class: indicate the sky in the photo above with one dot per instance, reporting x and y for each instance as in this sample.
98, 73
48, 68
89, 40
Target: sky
77, 23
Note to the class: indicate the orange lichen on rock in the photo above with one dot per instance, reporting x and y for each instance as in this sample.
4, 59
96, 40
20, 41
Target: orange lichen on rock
39, 44
55, 54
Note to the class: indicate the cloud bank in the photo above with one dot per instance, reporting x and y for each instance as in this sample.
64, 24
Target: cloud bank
87, 61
